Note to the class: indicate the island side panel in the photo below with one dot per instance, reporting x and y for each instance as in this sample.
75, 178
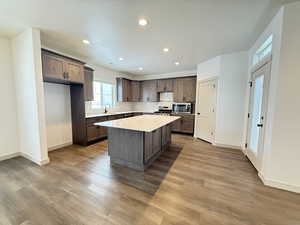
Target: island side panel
125, 147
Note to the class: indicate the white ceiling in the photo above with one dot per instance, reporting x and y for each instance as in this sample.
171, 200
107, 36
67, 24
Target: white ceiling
193, 30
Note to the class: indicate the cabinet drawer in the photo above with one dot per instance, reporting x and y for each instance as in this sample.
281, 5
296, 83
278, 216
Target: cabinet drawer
93, 133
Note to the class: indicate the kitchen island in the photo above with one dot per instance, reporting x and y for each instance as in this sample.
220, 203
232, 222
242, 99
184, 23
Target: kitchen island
136, 142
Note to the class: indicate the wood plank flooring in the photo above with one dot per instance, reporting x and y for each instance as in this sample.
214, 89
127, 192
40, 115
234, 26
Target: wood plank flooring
192, 183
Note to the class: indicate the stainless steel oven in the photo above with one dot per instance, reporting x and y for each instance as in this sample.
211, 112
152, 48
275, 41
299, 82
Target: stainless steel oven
182, 108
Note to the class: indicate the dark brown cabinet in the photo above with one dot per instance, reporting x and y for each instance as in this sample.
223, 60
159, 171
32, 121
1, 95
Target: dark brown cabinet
184, 125
60, 69
153, 144
149, 91
166, 137
185, 89
94, 133
135, 91
88, 84
165, 85
123, 90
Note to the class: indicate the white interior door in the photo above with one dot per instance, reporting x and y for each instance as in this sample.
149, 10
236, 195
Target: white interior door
257, 114
205, 115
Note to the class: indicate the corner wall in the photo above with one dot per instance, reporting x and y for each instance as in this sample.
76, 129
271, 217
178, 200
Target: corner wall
231, 73
9, 146
282, 167
30, 96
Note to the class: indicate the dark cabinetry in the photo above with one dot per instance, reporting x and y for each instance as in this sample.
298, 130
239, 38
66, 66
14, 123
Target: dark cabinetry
185, 89
149, 91
60, 69
185, 124
153, 141
165, 85
123, 90
88, 84
94, 133
135, 91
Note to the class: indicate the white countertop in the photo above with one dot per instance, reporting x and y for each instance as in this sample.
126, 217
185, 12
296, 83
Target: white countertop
146, 123
115, 113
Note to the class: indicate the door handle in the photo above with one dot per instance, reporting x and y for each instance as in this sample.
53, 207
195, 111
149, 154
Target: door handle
198, 113
260, 125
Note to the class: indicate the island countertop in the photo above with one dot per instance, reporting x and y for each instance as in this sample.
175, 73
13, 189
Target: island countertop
146, 123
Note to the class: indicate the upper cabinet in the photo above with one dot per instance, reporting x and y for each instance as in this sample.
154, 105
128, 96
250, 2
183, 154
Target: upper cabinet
124, 90
165, 85
149, 91
88, 84
135, 91
61, 69
185, 89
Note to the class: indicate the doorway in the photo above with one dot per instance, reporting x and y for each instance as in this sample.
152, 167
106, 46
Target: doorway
259, 88
206, 109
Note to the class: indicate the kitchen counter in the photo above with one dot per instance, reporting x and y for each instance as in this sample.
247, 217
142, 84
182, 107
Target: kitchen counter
145, 123
115, 113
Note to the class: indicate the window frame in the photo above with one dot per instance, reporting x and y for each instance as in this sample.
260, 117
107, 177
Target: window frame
94, 106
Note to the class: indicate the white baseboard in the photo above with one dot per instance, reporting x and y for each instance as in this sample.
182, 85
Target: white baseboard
279, 185
36, 161
52, 148
9, 156
227, 146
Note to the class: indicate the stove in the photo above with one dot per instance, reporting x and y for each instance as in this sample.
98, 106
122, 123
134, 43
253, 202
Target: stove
164, 111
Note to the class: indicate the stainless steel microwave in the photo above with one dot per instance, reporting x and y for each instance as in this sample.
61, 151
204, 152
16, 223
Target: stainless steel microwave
182, 108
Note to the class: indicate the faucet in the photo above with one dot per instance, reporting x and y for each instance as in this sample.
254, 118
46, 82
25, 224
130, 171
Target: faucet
105, 109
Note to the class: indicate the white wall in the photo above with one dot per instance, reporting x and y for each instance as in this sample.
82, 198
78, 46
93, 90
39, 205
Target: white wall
281, 162
30, 96
8, 117
275, 28
58, 115
232, 75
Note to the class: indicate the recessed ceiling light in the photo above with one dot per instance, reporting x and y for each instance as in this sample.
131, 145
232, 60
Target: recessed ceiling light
165, 49
121, 59
176, 63
87, 42
141, 68
143, 22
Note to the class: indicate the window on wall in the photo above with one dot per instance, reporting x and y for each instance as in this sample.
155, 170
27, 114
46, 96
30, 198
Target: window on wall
264, 50
104, 95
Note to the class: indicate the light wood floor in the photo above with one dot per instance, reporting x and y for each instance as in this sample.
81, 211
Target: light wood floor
192, 183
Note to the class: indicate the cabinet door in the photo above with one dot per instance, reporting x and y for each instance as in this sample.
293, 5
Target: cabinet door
127, 90
185, 89
74, 72
93, 132
156, 141
149, 91
53, 67
178, 90
123, 90
88, 84
176, 125
148, 146
135, 91
189, 89
165, 85
187, 124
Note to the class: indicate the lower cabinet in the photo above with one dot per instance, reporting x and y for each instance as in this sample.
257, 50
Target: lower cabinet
185, 124
94, 133
153, 144
166, 137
